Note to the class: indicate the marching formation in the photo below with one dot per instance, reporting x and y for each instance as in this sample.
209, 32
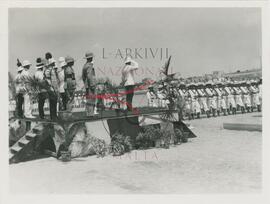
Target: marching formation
211, 99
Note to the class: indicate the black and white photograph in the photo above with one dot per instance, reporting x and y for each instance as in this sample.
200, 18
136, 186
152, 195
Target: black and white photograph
135, 100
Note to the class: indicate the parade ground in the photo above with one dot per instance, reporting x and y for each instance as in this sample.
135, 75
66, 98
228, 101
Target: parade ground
217, 161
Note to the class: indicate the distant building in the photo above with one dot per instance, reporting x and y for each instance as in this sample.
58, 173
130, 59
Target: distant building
218, 73
247, 74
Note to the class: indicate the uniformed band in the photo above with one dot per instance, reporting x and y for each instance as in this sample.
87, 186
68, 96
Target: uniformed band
57, 85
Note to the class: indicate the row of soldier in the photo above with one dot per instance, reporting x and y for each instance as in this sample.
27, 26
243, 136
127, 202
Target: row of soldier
208, 98
57, 84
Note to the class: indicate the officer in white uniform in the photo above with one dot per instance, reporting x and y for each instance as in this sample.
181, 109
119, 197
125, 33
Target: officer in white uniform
20, 91
27, 100
128, 80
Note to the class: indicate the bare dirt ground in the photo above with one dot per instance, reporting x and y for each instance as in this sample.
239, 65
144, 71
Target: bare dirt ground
217, 161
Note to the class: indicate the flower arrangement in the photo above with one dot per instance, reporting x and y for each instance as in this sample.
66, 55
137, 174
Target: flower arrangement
120, 144
181, 136
99, 146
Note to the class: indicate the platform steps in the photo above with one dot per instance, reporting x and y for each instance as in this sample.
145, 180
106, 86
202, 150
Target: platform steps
185, 128
24, 144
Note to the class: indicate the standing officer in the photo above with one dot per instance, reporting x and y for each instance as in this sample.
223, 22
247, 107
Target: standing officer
89, 80
70, 81
128, 80
20, 90
27, 100
42, 95
64, 99
52, 79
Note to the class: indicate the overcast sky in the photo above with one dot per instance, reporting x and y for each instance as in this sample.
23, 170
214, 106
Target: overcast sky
200, 40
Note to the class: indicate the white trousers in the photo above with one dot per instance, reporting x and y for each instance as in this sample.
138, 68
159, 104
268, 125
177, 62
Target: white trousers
247, 100
27, 105
231, 101
203, 103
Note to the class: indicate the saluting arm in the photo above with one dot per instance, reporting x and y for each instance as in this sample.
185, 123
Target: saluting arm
134, 66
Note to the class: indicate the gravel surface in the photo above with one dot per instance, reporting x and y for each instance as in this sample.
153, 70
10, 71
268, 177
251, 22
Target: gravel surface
217, 161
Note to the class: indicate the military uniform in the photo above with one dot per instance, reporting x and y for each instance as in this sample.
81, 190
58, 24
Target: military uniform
161, 95
27, 95
238, 97
42, 93
89, 80
196, 106
212, 104
151, 97
223, 99
246, 96
20, 91
231, 98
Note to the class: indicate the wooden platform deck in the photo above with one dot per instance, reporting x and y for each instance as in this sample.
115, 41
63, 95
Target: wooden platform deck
103, 115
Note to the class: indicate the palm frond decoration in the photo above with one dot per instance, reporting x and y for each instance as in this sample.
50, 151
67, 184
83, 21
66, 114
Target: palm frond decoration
35, 85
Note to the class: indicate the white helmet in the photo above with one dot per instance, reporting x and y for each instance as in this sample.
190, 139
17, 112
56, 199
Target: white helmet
26, 63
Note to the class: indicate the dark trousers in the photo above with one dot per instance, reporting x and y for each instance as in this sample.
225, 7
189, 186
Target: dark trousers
53, 105
41, 101
130, 93
64, 100
19, 104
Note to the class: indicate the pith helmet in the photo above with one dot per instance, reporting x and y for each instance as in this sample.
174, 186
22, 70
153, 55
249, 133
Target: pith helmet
51, 61
39, 63
128, 59
69, 59
20, 68
88, 55
62, 62
26, 63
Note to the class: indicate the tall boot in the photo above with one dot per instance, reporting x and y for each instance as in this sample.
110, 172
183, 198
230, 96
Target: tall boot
259, 108
234, 111
208, 114
198, 116
214, 113
242, 109
218, 112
